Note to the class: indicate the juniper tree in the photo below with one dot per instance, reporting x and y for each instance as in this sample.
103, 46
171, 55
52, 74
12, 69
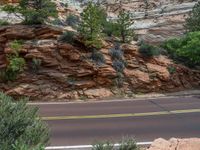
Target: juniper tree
33, 11
20, 127
193, 21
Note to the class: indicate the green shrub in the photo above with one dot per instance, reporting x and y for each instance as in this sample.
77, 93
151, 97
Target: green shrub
67, 37
148, 50
73, 21
57, 22
171, 69
185, 50
193, 21
35, 64
103, 146
20, 127
97, 57
110, 28
118, 65
16, 63
119, 80
3, 23
128, 144
91, 25
33, 11
116, 53
125, 144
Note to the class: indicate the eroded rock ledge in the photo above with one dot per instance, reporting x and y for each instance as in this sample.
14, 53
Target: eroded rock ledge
67, 73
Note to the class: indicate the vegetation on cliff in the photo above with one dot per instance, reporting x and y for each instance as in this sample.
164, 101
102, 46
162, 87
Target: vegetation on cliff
21, 127
33, 11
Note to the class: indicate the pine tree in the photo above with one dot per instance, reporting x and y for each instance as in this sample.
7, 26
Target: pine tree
33, 11
91, 25
124, 26
193, 21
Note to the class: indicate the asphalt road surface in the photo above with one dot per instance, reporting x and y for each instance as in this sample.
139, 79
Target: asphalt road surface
86, 123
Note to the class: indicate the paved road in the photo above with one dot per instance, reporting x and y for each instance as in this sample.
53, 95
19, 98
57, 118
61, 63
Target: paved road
85, 123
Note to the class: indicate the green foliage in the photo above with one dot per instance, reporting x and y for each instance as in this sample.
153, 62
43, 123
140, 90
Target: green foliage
124, 23
119, 80
67, 37
16, 63
97, 57
91, 25
3, 22
73, 21
33, 11
57, 22
110, 28
125, 144
21, 128
118, 65
193, 21
35, 64
171, 69
148, 50
128, 144
116, 52
185, 50
103, 146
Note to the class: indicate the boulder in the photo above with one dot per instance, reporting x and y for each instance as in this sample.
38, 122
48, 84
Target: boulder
175, 144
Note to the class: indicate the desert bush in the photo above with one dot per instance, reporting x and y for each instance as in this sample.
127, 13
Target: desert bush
171, 69
148, 50
116, 52
125, 144
16, 63
33, 11
185, 50
3, 22
73, 21
67, 37
35, 64
21, 128
97, 57
128, 144
57, 22
103, 146
118, 65
193, 21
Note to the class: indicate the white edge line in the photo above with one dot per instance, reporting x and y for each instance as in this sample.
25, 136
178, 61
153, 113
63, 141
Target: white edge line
105, 101
86, 146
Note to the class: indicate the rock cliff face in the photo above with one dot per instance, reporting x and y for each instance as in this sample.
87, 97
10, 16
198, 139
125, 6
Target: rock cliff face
66, 72
155, 20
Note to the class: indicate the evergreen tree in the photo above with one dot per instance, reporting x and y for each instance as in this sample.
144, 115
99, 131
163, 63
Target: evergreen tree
20, 127
33, 11
193, 21
91, 25
124, 23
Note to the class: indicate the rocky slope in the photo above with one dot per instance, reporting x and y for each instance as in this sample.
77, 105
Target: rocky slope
67, 72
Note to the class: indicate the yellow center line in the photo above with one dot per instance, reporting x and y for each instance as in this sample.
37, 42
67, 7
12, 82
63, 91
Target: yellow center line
185, 111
